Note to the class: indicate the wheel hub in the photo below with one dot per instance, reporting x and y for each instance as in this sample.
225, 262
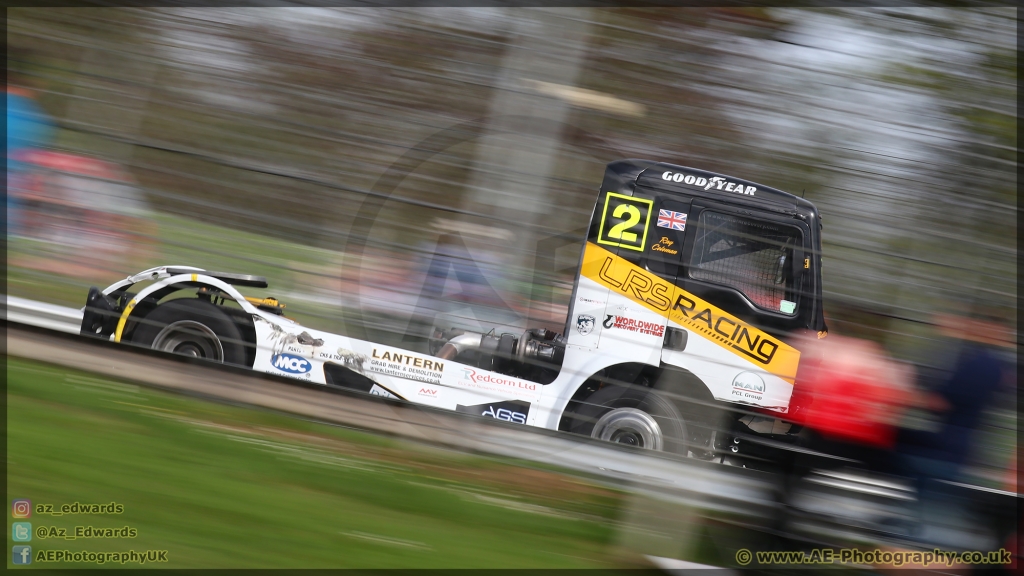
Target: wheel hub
190, 338
189, 349
631, 427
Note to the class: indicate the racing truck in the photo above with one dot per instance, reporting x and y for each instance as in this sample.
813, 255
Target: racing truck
692, 294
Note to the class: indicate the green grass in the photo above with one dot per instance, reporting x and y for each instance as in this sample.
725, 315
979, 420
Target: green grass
221, 486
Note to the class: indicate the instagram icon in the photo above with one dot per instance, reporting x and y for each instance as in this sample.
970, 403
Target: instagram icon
21, 508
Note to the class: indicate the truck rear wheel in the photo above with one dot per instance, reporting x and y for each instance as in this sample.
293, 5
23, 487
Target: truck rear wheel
634, 416
192, 327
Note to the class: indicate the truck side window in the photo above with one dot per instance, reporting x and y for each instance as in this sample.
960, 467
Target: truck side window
752, 256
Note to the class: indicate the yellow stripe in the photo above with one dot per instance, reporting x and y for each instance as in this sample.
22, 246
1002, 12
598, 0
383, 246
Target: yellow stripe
123, 319
264, 301
678, 305
128, 310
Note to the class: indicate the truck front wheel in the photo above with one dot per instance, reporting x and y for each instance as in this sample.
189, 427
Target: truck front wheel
193, 328
633, 416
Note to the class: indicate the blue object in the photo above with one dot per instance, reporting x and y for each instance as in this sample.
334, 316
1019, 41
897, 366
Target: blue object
21, 531
22, 555
290, 363
27, 127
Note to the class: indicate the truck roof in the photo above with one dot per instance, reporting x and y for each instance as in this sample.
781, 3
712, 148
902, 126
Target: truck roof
653, 174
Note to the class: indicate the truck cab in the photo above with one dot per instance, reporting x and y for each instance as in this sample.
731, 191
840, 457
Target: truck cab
733, 270
751, 250
690, 288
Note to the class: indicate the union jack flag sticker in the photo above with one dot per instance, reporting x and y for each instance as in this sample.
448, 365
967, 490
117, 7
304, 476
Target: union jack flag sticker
672, 220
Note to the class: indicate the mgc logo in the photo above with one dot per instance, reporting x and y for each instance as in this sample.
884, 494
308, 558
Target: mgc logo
291, 364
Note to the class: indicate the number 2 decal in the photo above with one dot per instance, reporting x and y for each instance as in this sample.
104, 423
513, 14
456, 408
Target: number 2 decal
624, 221
619, 231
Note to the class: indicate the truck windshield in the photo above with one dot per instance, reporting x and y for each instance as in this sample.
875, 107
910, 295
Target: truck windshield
752, 256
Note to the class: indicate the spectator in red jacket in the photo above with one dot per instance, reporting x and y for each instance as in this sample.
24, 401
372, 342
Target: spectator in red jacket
850, 396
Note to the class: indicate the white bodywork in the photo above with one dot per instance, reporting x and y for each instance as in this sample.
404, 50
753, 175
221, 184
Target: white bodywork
424, 379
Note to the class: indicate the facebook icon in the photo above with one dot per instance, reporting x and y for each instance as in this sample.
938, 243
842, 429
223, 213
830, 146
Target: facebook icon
22, 555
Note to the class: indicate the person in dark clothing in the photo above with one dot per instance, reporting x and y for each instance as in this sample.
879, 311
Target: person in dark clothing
960, 400
935, 457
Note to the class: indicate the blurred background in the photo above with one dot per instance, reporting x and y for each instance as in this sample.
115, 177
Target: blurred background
387, 167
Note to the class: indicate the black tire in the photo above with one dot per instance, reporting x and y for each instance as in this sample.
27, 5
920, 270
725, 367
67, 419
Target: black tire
611, 398
194, 328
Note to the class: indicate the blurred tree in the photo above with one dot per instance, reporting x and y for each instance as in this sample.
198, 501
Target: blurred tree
972, 220
95, 80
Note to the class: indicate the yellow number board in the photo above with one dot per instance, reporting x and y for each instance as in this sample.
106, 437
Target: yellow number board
624, 221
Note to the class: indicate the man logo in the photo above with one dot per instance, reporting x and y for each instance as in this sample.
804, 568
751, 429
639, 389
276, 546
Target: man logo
291, 364
748, 382
585, 324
